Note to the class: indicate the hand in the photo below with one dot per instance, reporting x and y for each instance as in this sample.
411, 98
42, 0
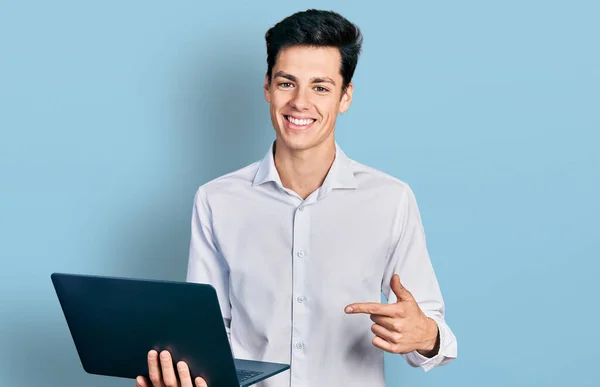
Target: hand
163, 374
401, 327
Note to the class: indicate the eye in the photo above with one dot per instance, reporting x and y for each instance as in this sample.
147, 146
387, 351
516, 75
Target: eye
285, 84
321, 89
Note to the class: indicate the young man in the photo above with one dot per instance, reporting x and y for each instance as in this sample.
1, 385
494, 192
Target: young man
300, 245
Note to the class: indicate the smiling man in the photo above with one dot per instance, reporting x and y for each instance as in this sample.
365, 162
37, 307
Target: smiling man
300, 244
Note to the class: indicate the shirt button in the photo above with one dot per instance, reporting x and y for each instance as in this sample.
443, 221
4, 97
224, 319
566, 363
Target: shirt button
300, 254
301, 208
299, 345
300, 299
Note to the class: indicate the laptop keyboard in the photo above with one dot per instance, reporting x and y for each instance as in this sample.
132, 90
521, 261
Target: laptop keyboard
244, 374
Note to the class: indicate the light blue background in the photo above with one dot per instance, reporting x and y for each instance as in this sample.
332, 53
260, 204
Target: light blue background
112, 113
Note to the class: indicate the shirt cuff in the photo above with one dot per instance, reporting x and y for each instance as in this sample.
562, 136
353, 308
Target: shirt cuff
447, 352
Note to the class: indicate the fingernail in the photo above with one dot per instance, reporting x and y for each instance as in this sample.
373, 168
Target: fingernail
349, 309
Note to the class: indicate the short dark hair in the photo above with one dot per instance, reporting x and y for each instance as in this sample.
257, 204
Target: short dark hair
316, 28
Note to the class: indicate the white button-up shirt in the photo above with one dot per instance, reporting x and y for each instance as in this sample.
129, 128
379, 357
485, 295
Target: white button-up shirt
285, 268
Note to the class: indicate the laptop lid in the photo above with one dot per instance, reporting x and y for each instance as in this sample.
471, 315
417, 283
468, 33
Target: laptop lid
115, 321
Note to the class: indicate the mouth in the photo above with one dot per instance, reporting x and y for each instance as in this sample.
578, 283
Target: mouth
299, 123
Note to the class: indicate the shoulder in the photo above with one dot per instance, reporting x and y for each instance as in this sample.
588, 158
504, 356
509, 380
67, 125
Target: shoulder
386, 193
370, 178
228, 184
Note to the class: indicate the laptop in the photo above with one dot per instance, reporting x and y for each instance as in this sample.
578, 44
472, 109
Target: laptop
115, 321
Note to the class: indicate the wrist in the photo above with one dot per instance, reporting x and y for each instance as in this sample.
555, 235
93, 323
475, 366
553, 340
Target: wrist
431, 345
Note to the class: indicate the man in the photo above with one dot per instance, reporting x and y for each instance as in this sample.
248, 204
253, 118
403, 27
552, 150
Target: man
300, 245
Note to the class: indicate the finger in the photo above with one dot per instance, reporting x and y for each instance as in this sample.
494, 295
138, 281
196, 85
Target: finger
388, 322
154, 369
371, 308
385, 345
201, 382
168, 372
184, 374
399, 290
141, 381
386, 334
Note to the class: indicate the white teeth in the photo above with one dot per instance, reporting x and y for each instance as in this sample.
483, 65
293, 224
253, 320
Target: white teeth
302, 122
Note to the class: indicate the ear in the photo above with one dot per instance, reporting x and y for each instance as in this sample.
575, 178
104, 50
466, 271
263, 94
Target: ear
266, 88
346, 98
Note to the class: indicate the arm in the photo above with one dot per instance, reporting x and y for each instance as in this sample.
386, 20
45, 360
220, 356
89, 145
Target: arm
206, 264
409, 259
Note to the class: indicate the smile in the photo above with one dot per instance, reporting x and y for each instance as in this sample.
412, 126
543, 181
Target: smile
301, 122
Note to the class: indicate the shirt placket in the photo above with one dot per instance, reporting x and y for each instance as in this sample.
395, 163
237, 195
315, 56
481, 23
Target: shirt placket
300, 304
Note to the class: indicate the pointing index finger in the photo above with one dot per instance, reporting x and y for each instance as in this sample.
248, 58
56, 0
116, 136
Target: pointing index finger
370, 308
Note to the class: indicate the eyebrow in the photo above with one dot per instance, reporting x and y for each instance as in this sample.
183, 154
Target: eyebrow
294, 79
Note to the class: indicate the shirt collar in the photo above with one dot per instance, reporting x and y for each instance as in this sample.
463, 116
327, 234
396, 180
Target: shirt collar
340, 175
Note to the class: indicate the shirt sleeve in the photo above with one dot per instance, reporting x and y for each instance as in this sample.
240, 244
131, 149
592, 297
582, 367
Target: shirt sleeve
410, 259
206, 264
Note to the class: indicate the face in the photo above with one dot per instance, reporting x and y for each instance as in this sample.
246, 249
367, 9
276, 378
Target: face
305, 96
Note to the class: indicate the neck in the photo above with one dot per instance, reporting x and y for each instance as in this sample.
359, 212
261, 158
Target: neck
303, 171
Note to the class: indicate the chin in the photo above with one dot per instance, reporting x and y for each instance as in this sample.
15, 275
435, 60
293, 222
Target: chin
301, 143
296, 144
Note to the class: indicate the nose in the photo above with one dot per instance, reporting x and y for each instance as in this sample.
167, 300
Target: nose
300, 100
